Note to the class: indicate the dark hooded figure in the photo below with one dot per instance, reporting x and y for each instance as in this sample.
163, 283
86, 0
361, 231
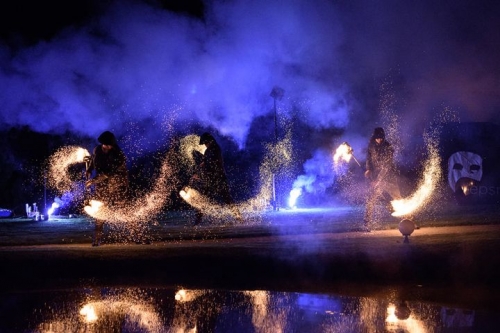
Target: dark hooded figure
382, 173
210, 175
108, 164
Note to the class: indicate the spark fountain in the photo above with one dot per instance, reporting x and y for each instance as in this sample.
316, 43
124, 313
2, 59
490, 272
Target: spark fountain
277, 156
427, 185
136, 213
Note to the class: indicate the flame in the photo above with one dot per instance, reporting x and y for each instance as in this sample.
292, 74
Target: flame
94, 207
88, 312
343, 152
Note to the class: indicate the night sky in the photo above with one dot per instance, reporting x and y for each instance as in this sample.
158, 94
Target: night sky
150, 69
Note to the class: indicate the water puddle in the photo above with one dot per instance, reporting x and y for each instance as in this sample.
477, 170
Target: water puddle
112, 309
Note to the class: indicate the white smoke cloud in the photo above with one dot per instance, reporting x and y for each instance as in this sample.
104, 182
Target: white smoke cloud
136, 63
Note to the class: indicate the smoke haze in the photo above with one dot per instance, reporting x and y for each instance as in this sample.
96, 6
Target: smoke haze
144, 72
136, 63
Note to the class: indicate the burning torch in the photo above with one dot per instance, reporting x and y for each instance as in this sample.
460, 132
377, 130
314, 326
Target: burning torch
345, 152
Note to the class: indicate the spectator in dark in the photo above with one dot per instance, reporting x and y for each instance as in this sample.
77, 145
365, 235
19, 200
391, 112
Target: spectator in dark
382, 174
108, 166
210, 176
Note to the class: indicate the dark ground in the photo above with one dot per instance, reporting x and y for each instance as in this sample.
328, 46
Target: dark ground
452, 258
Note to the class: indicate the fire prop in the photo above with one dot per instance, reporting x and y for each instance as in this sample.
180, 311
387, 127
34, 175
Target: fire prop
344, 152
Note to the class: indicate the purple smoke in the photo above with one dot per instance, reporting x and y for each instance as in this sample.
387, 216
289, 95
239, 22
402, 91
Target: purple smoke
141, 70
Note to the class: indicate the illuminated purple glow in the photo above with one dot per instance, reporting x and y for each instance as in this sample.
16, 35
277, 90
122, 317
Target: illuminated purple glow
146, 65
146, 73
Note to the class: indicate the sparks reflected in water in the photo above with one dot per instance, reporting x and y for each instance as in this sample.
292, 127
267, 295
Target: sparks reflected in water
260, 311
398, 320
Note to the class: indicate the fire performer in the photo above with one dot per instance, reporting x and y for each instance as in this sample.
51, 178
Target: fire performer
110, 177
382, 173
210, 176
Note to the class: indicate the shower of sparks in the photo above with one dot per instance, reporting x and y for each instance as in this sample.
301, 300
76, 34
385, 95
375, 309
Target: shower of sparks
58, 176
410, 324
126, 310
266, 317
260, 305
140, 209
188, 145
388, 106
145, 316
201, 202
277, 157
128, 219
103, 313
427, 185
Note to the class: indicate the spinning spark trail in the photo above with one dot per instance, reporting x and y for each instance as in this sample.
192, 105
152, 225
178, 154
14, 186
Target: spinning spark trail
130, 308
58, 176
427, 185
138, 210
277, 157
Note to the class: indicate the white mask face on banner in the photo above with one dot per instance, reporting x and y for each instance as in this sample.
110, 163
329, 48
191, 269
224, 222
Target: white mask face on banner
465, 169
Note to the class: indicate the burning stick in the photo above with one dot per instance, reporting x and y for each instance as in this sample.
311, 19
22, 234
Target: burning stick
345, 152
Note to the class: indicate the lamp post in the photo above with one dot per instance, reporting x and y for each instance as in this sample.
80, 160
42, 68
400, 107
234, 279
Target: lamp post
277, 94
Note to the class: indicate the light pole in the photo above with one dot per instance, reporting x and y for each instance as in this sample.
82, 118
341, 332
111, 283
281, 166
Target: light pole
277, 94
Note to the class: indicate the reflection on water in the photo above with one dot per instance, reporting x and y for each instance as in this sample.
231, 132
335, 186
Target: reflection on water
168, 310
